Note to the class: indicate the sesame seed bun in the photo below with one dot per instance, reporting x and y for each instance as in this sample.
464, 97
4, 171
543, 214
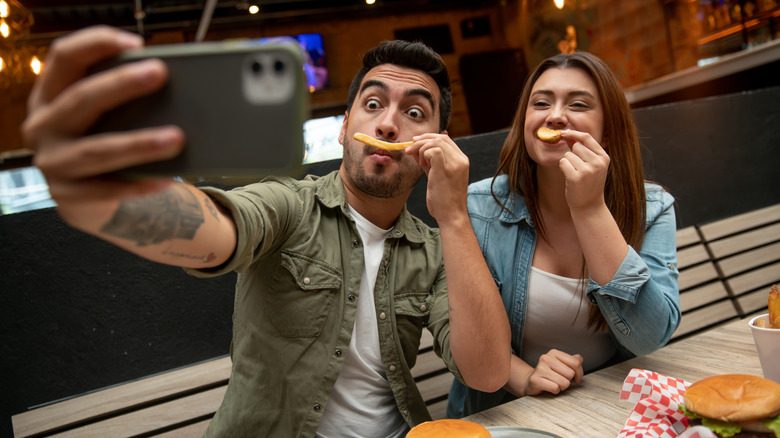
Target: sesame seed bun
448, 429
734, 398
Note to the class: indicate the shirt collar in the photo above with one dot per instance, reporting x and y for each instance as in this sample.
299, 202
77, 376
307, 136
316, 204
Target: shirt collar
331, 194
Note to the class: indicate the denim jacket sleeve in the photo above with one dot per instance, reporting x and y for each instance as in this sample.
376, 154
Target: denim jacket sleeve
642, 301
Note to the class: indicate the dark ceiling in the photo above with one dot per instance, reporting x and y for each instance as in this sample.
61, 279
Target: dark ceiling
52, 18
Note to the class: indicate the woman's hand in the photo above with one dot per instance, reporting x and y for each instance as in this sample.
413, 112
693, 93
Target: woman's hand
585, 169
554, 373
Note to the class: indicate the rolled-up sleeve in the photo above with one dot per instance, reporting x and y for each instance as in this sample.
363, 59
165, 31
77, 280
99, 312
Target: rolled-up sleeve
642, 301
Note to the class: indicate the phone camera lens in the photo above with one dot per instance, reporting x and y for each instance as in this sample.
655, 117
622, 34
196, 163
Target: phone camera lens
257, 67
279, 66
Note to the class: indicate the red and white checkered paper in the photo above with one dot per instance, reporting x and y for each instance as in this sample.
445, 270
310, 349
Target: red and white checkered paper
656, 413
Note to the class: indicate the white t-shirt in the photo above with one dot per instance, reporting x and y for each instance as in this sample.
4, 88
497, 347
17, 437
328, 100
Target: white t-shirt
557, 317
361, 403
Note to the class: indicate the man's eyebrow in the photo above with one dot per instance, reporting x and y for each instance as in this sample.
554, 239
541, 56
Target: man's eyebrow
413, 92
424, 93
373, 83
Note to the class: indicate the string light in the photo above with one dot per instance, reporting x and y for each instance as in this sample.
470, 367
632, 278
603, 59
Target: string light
558, 4
254, 9
36, 65
4, 29
19, 61
370, 2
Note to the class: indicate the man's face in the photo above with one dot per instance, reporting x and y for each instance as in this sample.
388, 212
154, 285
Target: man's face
394, 104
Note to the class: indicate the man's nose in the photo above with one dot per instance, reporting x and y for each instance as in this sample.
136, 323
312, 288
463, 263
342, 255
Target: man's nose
387, 126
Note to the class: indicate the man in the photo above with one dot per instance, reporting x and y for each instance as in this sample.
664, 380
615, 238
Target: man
336, 278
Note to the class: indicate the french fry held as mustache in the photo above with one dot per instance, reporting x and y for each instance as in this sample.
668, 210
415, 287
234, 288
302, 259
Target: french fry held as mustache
371, 141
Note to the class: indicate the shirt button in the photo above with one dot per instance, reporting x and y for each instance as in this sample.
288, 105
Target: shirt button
382, 316
392, 367
351, 297
423, 308
385, 262
338, 353
355, 243
307, 280
317, 407
397, 233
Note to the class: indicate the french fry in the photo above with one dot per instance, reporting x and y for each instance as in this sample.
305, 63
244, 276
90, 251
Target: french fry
774, 307
371, 141
760, 323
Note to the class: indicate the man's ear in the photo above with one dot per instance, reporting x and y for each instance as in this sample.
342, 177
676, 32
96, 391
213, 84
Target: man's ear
343, 132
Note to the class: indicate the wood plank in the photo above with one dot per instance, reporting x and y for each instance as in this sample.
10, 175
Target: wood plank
696, 275
427, 363
745, 261
745, 241
435, 386
426, 340
148, 420
691, 255
702, 296
438, 410
705, 317
687, 236
755, 218
122, 397
761, 277
756, 301
190, 431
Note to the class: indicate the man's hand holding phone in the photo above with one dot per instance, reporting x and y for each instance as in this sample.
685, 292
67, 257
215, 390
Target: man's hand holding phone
65, 103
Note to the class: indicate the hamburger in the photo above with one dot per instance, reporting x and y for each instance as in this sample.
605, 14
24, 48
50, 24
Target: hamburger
735, 405
448, 429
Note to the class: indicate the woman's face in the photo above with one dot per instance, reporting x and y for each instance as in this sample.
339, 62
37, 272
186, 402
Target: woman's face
561, 99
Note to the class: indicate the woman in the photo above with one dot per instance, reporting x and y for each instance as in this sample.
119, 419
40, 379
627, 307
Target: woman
581, 247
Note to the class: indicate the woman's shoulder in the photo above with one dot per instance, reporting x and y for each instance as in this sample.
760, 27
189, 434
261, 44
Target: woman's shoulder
658, 200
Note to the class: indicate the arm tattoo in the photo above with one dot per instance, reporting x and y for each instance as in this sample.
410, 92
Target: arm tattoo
212, 208
172, 214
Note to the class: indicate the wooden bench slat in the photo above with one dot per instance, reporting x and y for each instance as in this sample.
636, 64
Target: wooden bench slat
195, 430
427, 363
438, 410
755, 301
706, 317
754, 279
122, 397
697, 275
748, 260
755, 218
702, 296
435, 386
745, 241
691, 255
687, 236
153, 418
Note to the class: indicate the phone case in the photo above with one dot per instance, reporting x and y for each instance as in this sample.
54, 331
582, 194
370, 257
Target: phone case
241, 104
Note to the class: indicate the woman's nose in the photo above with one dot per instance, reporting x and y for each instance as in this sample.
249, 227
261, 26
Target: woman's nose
557, 116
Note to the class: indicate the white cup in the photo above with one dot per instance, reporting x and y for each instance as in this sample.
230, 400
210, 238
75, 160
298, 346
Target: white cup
768, 347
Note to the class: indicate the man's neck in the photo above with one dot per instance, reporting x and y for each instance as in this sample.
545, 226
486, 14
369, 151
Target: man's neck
382, 212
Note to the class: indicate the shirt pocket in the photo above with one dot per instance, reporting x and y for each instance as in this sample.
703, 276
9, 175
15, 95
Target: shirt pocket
412, 311
302, 291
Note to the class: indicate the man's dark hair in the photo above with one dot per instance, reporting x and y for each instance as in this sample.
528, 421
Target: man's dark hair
414, 55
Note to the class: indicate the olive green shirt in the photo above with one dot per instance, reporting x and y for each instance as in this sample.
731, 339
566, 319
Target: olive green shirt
299, 260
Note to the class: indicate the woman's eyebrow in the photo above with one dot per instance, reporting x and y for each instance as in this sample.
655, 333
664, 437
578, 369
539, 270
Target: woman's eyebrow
573, 93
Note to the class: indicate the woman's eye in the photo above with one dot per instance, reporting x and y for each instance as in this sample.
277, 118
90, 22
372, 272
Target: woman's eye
415, 113
540, 104
580, 105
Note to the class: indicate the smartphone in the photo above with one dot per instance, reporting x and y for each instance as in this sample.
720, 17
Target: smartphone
241, 104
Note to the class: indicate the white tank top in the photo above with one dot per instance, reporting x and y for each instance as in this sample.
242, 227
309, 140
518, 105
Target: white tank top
557, 317
361, 402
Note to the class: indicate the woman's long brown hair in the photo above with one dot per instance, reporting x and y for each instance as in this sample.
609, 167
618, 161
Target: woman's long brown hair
624, 190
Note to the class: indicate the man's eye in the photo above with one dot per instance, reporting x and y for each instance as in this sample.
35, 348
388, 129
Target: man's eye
372, 104
415, 113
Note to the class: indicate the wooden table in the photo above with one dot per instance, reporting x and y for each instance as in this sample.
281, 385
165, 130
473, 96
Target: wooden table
593, 408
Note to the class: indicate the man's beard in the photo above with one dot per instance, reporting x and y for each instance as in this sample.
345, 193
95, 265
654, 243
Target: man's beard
379, 184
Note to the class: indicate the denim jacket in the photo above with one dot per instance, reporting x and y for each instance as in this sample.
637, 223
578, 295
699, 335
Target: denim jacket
640, 304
